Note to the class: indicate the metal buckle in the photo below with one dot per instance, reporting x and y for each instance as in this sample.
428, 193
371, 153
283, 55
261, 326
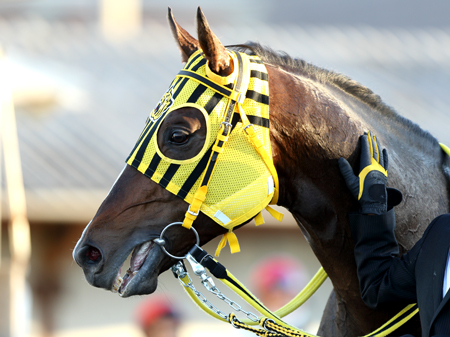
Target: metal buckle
161, 242
245, 128
192, 212
230, 126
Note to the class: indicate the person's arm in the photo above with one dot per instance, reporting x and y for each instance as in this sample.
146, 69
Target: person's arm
383, 277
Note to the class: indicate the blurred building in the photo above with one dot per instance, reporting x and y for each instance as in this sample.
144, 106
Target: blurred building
83, 89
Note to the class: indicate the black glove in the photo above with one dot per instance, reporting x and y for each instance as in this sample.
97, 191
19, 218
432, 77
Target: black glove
369, 188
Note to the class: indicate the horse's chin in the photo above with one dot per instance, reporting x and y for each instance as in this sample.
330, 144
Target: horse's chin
141, 278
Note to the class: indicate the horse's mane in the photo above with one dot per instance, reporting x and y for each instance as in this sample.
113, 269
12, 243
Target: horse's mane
345, 83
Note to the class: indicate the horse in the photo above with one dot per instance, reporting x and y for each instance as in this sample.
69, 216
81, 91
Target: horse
316, 117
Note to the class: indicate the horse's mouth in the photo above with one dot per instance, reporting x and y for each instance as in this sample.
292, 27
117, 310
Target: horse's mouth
138, 258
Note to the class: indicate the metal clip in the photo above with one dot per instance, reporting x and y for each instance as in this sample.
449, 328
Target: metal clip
200, 271
197, 268
178, 270
208, 282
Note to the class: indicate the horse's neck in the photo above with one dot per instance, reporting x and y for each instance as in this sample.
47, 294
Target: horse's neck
312, 126
310, 131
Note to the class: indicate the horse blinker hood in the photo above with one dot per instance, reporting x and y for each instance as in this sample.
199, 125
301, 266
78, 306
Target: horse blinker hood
233, 177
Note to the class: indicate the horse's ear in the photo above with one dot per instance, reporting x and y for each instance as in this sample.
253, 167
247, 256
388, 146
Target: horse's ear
219, 60
188, 45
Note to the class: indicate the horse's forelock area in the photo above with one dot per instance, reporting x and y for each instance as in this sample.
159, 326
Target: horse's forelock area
345, 83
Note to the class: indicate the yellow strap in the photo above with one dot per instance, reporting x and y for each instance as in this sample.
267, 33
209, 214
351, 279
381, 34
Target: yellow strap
222, 80
305, 294
200, 195
249, 298
259, 219
232, 240
194, 207
445, 148
277, 215
252, 136
293, 305
235, 95
301, 298
394, 326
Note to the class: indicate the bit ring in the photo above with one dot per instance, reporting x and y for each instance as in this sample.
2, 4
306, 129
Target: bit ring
161, 242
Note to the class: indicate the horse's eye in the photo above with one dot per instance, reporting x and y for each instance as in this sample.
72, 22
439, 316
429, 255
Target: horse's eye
179, 137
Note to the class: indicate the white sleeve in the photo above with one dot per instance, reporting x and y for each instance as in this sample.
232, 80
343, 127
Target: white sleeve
446, 283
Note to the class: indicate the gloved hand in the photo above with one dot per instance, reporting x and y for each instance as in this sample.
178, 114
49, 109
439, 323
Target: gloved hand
369, 187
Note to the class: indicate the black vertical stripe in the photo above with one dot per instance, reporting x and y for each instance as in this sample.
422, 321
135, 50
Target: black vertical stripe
212, 103
143, 148
182, 84
149, 123
229, 113
197, 93
195, 174
173, 168
178, 80
147, 126
153, 165
236, 118
209, 169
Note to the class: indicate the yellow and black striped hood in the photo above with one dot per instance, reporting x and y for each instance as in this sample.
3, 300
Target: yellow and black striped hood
241, 184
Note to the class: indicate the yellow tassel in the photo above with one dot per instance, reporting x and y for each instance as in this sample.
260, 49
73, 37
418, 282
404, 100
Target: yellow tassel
232, 240
277, 215
222, 244
259, 219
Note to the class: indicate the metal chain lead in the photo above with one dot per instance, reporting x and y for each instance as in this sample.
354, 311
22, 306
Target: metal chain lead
179, 270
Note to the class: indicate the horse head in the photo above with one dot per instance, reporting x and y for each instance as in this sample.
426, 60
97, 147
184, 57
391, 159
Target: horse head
143, 200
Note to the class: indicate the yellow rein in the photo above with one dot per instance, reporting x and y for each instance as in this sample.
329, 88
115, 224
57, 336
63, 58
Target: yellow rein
275, 318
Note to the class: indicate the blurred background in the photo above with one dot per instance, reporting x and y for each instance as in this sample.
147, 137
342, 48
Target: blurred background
82, 76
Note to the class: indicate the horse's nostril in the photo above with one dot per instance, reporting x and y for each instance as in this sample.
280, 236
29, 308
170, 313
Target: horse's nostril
89, 257
93, 254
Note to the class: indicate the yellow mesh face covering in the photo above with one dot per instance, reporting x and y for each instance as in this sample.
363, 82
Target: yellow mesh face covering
229, 179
